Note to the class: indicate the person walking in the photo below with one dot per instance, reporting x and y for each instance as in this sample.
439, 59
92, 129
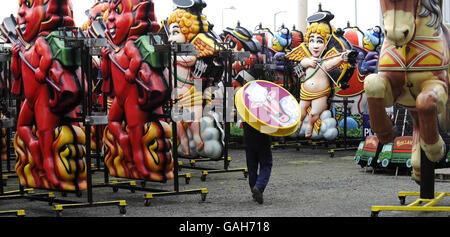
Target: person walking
258, 155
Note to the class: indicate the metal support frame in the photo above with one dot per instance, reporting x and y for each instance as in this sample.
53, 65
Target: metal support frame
298, 143
7, 124
88, 48
130, 184
229, 57
426, 195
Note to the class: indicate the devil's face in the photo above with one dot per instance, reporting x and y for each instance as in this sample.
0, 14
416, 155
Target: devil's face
234, 43
30, 16
120, 19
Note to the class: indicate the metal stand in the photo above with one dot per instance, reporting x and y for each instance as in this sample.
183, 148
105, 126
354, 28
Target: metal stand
427, 195
88, 47
298, 143
345, 101
131, 185
6, 123
9, 109
229, 57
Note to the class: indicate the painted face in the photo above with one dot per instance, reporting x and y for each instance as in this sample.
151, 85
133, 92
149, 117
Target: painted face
30, 16
119, 21
368, 44
316, 45
276, 44
281, 40
175, 34
372, 39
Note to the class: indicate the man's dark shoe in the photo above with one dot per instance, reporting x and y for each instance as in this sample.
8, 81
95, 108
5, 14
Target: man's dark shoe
257, 195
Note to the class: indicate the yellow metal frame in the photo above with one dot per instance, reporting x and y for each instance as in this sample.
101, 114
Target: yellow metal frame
148, 196
120, 203
428, 204
18, 213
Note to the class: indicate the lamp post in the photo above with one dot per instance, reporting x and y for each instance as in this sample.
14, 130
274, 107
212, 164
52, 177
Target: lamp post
275, 20
223, 9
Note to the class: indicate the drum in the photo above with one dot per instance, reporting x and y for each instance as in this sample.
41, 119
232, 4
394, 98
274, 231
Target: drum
268, 107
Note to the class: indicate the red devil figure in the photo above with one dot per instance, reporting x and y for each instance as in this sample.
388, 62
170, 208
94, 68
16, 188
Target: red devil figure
139, 86
50, 87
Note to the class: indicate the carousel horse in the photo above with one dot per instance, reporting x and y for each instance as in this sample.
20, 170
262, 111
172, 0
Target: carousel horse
137, 142
50, 150
197, 131
413, 72
325, 61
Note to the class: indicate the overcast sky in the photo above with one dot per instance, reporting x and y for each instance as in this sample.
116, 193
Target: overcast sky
250, 12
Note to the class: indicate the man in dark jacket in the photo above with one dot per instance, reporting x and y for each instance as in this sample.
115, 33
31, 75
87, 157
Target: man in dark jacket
258, 153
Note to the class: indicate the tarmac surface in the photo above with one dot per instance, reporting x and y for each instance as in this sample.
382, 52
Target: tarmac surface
304, 183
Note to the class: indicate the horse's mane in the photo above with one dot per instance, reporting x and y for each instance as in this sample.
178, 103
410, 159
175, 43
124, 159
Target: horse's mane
433, 8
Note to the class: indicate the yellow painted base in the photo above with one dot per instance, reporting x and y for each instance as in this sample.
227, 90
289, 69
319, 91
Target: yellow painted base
428, 204
120, 203
202, 191
18, 213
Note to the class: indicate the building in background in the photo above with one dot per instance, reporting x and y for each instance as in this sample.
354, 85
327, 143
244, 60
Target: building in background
446, 11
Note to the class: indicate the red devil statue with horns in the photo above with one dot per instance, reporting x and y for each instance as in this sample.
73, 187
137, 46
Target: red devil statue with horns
50, 150
138, 143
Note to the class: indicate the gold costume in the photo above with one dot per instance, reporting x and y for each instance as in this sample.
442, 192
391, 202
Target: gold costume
308, 95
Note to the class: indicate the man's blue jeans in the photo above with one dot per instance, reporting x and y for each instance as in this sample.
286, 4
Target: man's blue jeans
259, 157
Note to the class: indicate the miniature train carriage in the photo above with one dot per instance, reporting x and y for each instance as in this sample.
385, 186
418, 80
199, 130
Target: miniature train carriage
367, 156
198, 130
137, 141
396, 154
359, 151
447, 160
47, 75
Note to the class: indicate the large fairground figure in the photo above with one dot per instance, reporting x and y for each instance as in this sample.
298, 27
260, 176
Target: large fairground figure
240, 39
413, 72
198, 131
50, 150
323, 66
137, 140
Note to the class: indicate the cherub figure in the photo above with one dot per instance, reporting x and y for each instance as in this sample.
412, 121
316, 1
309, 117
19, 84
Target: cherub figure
186, 27
315, 81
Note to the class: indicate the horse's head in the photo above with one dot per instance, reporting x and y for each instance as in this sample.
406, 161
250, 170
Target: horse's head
35, 16
399, 17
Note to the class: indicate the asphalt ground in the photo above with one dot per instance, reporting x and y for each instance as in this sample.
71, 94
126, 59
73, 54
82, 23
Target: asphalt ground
304, 183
